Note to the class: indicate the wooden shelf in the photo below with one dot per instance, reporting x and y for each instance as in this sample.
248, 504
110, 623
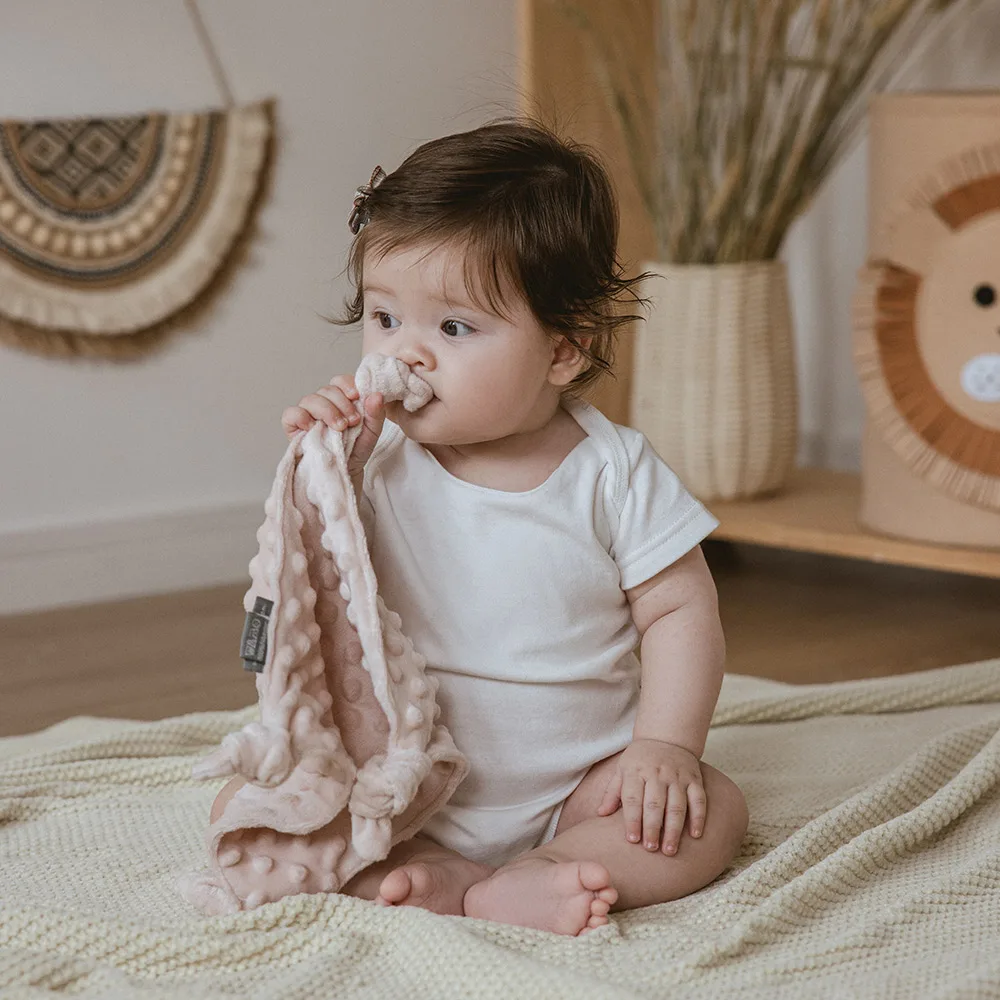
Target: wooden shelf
818, 513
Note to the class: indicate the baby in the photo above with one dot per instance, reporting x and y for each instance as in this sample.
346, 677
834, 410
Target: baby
529, 543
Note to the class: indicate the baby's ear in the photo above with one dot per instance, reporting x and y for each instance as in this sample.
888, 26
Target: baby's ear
567, 359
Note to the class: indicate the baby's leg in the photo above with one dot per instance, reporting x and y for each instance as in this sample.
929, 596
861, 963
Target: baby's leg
417, 872
568, 884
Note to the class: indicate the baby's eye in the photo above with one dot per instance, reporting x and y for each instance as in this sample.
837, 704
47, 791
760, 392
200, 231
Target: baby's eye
385, 320
456, 328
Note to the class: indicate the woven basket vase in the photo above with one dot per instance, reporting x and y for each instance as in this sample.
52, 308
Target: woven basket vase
714, 379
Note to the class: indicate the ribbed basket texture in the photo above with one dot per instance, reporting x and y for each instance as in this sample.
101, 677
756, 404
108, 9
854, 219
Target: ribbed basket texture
714, 380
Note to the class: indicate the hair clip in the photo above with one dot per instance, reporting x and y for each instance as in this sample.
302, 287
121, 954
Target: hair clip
361, 214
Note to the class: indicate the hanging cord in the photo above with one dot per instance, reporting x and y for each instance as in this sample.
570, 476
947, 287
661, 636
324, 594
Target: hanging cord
210, 53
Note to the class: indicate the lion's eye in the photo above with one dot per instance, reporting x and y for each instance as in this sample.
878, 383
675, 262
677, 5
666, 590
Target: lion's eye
985, 295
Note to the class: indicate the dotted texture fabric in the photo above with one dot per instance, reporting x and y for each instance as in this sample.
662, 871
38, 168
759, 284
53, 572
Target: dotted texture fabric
871, 869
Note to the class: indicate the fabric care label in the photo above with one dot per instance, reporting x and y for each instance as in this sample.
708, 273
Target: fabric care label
253, 644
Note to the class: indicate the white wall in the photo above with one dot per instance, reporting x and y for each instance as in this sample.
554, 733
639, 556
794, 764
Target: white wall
135, 478
128, 479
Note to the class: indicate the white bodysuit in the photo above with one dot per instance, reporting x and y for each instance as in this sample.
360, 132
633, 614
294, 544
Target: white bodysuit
517, 600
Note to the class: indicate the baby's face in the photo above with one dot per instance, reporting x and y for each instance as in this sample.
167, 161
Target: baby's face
489, 373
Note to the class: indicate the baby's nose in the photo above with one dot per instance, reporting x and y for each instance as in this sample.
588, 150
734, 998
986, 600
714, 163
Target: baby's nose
415, 351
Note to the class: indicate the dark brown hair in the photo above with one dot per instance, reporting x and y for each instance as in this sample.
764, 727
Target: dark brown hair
535, 214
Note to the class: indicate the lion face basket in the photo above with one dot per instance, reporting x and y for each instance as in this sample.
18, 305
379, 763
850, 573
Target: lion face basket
927, 320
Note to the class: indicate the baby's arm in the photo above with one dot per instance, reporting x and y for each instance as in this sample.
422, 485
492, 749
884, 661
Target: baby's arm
683, 651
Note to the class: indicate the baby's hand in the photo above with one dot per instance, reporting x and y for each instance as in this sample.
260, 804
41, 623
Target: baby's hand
336, 406
654, 777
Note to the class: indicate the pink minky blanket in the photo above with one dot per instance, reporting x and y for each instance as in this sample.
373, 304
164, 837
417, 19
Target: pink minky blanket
347, 759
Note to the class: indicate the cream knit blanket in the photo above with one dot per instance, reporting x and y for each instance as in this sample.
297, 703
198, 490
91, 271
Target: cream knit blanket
871, 869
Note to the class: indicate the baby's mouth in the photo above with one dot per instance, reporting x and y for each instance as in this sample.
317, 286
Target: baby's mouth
398, 406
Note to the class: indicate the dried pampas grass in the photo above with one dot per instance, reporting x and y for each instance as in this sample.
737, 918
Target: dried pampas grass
752, 104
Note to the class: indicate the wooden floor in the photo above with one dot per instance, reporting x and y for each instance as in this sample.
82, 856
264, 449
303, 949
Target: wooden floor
788, 616
805, 619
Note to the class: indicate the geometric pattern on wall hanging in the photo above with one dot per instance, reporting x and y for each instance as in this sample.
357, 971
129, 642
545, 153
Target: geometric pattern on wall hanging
113, 231
927, 329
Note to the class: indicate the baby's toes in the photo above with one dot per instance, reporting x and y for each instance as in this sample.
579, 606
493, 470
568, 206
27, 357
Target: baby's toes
595, 877
395, 888
593, 923
608, 895
598, 912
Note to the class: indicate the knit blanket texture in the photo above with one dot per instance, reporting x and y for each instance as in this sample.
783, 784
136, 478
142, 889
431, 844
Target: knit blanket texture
871, 869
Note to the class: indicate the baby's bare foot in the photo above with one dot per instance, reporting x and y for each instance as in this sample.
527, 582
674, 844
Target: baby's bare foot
438, 884
567, 897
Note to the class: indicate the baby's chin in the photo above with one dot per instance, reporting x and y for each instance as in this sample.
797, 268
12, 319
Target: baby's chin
431, 425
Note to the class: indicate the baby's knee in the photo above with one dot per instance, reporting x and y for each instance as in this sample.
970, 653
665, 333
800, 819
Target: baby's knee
727, 808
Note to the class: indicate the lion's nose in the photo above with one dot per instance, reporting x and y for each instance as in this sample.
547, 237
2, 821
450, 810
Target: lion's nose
981, 378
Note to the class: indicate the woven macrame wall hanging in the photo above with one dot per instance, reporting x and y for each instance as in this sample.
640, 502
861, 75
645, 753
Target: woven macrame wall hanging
927, 333
114, 231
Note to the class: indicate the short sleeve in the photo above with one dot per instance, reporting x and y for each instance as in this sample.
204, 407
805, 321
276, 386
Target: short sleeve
660, 521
